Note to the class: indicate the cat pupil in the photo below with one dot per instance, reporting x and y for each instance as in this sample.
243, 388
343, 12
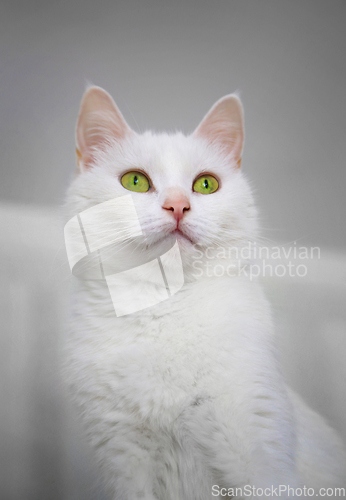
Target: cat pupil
135, 180
206, 183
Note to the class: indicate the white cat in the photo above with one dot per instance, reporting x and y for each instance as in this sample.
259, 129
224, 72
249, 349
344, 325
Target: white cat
185, 397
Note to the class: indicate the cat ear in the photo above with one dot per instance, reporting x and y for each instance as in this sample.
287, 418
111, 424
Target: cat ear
99, 123
223, 125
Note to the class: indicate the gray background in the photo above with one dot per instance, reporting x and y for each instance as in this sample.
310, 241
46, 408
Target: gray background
165, 63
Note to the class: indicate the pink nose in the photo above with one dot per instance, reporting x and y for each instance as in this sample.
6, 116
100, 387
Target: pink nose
178, 204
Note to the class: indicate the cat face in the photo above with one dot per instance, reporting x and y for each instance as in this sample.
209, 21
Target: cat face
185, 188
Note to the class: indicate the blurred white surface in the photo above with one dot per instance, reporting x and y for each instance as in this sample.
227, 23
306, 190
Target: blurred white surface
42, 450
41, 455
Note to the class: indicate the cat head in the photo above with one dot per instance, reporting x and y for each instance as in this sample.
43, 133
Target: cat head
190, 188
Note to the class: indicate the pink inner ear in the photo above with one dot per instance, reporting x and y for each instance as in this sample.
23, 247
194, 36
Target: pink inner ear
99, 123
223, 126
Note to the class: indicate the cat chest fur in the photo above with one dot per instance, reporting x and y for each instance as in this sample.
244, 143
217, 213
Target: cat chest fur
160, 360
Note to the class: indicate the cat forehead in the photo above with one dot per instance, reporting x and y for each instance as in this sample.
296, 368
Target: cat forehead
168, 153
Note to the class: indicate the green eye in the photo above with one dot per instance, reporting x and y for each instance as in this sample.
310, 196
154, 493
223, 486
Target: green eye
206, 184
135, 181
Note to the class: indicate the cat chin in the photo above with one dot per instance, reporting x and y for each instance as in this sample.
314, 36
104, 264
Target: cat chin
182, 237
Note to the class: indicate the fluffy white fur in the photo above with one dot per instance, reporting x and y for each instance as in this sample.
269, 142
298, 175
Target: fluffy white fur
186, 394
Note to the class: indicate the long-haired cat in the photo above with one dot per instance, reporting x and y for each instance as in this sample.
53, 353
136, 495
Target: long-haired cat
183, 399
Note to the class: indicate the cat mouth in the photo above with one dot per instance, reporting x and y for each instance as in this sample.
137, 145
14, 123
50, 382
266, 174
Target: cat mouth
181, 235
176, 233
